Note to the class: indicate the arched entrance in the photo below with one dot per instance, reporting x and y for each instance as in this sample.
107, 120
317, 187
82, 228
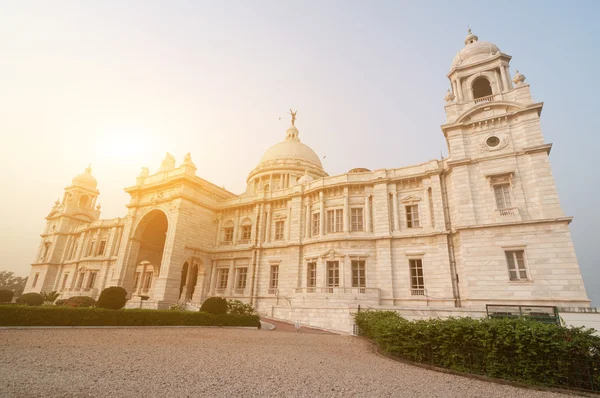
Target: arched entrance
151, 234
192, 278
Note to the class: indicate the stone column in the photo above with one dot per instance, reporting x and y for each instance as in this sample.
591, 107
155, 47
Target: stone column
213, 278
454, 90
236, 227
188, 278
368, 213
218, 238
231, 278
508, 81
308, 220
268, 224
498, 81
346, 211
503, 73
322, 214
459, 89
289, 224
140, 280
270, 182
395, 209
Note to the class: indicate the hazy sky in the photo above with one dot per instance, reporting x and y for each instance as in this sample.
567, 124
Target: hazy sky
119, 83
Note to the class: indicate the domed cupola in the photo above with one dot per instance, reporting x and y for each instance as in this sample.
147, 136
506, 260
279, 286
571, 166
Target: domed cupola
474, 51
85, 180
285, 163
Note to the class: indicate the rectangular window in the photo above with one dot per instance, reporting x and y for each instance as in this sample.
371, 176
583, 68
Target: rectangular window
412, 216
416, 276
148, 280
516, 265
279, 227
333, 274
35, 279
242, 277
91, 249
316, 224
101, 247
74, 252
223, 276
136, 281
335, 220
46, 248
356, 215
274, 279
80, 280
64, 282
359, 276
502, 194
246, 232
228, 234
311, 277
91, 280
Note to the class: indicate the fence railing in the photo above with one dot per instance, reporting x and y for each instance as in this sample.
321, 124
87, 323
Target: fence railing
337, 290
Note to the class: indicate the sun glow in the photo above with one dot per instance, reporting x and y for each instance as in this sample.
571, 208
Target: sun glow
126, 146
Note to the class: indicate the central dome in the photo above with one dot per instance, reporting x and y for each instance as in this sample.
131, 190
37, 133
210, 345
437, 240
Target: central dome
474, 51
291, 149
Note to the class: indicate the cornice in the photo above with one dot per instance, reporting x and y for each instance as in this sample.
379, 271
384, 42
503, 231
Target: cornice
507, 224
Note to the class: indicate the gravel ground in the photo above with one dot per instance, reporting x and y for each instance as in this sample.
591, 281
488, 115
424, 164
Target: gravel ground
189, 362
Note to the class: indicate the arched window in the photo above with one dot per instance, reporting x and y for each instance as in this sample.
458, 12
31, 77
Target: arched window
83, 202
481, 88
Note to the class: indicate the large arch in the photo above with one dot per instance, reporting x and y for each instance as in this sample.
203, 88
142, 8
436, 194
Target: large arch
151, 235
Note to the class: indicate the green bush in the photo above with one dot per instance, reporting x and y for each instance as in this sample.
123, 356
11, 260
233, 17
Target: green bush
239, 308
60, 302
214, 305
49, 298
31, 299
113, 298
514, 349
17, 315
80, 301
6, 296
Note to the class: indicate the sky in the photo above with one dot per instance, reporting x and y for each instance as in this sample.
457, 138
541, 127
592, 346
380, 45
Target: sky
119, 83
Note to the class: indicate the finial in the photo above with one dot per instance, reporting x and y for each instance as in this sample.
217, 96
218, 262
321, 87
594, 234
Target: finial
449, 97
57, 202
145, 172
98, 207
293, 116
469, 30
89, 168
519, 78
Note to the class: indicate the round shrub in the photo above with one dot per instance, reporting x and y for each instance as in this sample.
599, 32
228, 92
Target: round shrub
80, 301
6, 296
214, 305
113, 298
60, 302
31, 299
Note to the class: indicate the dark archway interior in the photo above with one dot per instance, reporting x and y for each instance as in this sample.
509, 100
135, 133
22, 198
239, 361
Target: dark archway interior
152, 238
184, 272
481, 88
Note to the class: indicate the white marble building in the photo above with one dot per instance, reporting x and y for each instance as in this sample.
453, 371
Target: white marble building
483, 226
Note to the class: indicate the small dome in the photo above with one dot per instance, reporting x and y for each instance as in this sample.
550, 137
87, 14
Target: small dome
306, 178
291, 148
474, 51
86, 180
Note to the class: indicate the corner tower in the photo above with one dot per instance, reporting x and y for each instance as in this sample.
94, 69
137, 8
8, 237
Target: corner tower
78, 207
511, 235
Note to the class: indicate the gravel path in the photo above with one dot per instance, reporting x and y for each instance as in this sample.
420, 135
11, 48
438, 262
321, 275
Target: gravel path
188, 362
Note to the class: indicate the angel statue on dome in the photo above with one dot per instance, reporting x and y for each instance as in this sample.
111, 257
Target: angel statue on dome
293, 116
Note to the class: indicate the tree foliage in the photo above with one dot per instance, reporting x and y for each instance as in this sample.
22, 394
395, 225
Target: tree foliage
9, 281
31, 299
80, 301
50, 296
6, 295
240, 308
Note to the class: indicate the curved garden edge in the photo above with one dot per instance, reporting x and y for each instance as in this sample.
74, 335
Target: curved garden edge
377, 350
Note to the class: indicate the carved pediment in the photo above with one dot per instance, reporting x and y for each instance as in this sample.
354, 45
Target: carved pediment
410, 199
279, 216
332, 254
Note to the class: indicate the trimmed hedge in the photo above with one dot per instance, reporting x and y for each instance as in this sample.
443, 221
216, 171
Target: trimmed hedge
18, 315
519, 349
113, 298
79, 301
6, 296
214, 305
31, 299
